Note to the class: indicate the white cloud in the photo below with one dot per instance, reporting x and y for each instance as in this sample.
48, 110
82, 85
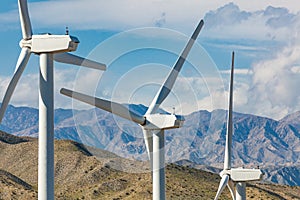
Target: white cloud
126, 14
296, 69
218, 96
255, 5
26, 92
275, 83
230, 22
216, 100
238, 71
247, 47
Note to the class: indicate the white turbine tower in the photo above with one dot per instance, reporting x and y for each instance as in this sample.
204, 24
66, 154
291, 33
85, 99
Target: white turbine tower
48, 47
152, 123
234, 178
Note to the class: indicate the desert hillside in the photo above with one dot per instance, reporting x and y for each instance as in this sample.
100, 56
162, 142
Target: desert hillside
80, 175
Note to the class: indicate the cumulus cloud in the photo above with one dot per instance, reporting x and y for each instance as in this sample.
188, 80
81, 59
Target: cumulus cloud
231, 22
275, 83
226, 15
278, 17
269, 88
274, 79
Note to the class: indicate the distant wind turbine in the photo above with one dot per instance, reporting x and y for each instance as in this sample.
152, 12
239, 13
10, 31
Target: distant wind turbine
152, 123
234, 178
48, 47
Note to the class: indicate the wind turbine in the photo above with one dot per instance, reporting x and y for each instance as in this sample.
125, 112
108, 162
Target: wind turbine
48, 47
234, 178
152, 123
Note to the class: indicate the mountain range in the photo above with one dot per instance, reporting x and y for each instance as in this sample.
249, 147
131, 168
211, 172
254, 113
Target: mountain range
272, 145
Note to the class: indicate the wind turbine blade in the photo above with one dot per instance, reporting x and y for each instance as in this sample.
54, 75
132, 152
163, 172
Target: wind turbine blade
148, 142
230, 186
227, 159
112, 107
222, 185
77, 60
21, 64
169, 82
25, 20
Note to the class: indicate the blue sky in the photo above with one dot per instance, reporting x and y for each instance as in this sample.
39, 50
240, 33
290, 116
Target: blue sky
140, 41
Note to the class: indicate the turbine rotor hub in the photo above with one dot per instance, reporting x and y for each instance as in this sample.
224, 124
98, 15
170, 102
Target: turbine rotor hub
25, 43
225, 172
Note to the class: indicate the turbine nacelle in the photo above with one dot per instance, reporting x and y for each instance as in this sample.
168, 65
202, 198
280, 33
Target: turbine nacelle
163, 121
47, 43
243, 175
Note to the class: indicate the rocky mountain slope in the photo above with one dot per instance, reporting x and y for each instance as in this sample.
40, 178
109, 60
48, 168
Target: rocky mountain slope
257, 141
80, 175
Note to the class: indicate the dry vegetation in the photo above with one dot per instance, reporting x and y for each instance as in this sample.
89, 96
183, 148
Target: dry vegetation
79, 175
